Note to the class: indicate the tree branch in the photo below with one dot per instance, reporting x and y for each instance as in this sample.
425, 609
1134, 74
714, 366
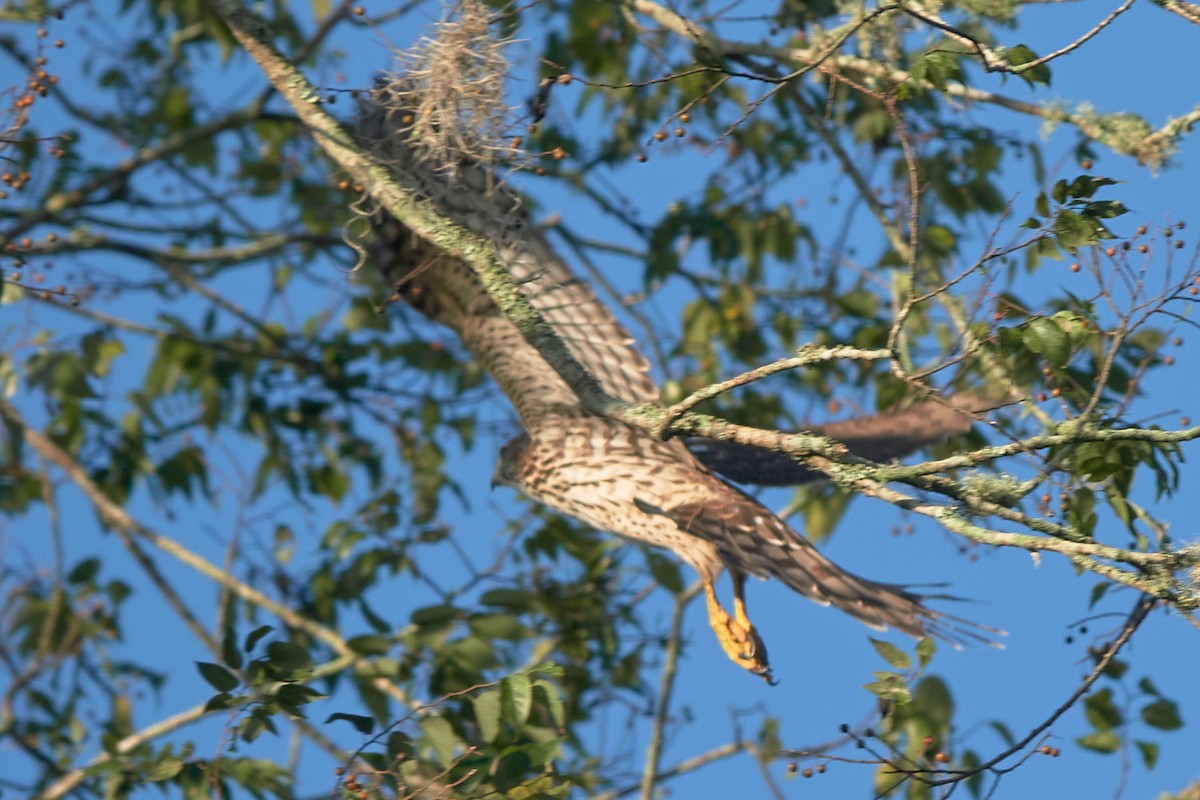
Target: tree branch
420, 215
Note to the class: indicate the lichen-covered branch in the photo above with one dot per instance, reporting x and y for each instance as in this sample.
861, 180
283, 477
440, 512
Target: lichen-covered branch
419, 214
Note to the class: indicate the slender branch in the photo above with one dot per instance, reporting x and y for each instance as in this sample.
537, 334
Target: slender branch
116, 517
1071, 435
1151, 149
683, 767
665, 688
805, 357
71, 779
1143, 607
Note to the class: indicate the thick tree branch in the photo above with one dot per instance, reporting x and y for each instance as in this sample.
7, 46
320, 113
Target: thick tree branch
416, 213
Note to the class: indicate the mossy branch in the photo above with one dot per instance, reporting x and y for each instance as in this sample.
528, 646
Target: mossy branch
418, 214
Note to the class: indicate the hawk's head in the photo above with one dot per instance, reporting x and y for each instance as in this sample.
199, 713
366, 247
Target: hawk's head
508, 467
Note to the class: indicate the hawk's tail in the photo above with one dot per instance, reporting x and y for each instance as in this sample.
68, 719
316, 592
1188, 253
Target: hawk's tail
752, 539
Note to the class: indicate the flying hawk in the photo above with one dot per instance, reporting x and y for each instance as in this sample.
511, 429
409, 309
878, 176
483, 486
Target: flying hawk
605, 472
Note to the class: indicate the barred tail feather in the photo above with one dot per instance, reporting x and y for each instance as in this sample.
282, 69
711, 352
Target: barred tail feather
752, 539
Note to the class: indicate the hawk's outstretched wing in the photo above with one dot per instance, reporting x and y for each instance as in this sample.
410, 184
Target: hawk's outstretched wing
881, 437
450, 292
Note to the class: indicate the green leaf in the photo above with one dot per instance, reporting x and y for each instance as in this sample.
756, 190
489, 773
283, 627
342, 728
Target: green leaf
164, 769
1042, 204
516, 698
1021, 54
10, 293
823, 508
10, 379
1101, 712
1003, 731
364, 725
768, 736
1043, 336
552, 699
892, 654
435, 616
293, 695
61, 374
498, 626
937, 67
889, 686
969, 763
1149, 751
230, 653
220, 702
664, 570
934, 700
369, 645
399, 744
441, 737
255, 724
1162, 714
84, 572
288, 660
926, 648
254, 636
1100, 741
1074, 231
218, 677
487, 714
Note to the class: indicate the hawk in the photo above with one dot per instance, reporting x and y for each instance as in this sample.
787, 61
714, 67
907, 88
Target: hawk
602, 471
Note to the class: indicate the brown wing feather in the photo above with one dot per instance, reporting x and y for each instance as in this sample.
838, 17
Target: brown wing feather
447, 290
881, 437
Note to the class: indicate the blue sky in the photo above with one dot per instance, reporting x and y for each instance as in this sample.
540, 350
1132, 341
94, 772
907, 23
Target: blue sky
821, 657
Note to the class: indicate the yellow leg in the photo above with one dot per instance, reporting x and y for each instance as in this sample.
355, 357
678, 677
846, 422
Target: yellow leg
737, 635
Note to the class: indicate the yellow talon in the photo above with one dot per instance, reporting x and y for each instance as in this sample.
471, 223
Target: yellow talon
737, 635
